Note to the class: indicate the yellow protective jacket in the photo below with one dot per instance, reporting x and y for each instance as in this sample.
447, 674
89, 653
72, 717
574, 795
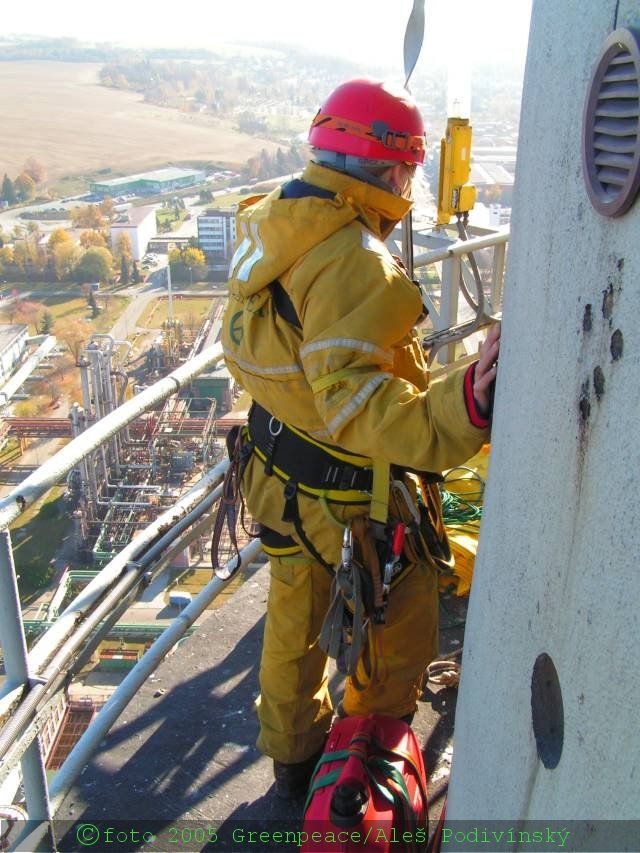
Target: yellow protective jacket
354, 375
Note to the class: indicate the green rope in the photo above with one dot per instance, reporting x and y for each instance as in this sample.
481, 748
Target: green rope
456, 510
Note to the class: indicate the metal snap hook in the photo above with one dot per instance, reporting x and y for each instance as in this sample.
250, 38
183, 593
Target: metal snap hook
272, 430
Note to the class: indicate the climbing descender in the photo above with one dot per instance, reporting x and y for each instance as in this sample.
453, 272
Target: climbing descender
347, 548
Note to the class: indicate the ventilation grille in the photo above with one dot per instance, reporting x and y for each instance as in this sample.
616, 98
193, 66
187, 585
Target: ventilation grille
611, 126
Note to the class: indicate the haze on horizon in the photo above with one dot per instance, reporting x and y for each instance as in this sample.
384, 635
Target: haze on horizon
365, 31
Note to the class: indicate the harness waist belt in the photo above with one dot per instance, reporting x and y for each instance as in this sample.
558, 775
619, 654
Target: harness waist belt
298, 457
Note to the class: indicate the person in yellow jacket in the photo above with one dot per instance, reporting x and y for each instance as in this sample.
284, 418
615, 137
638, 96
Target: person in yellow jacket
319, 329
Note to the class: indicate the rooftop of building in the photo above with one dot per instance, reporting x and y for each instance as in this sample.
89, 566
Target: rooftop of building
133, 216
490, 173
170, 173
218, 212
9, 332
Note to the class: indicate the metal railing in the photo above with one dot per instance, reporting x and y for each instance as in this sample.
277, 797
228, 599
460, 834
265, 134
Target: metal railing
448, 315
34, 678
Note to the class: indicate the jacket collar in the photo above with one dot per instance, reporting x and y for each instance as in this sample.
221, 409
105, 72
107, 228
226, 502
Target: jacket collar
378, 210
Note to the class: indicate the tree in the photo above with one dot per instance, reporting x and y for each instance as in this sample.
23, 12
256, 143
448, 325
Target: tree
8, 191
35, 170
74, 333
92, 238
107, 208
281, 162
57, 236
187, 264
122, 247
22, 255
25, 187
135, 274
46, 323
95, 265
93, 304
65, 257
195, 261
29, 313
124, 270
175, 257
87, 216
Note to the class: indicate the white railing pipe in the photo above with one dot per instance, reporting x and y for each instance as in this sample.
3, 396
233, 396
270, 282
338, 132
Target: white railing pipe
462, 247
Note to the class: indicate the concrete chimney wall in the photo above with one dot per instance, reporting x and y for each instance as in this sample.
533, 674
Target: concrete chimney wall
558, 566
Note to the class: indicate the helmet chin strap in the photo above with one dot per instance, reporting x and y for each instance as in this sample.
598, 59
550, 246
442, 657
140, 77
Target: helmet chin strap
354, 166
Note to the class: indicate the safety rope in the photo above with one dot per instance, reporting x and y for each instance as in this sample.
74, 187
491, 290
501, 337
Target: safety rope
231, 507
444, 672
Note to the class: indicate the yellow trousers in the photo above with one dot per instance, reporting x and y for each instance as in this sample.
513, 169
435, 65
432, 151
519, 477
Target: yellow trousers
295, 708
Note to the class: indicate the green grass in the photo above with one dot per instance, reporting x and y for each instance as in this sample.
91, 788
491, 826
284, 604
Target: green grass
106, 318
166, 216
69, 185
229, 199
10, 452
36, 537
184, 308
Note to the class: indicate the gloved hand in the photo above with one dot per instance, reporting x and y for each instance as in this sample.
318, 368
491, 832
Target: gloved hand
486, 369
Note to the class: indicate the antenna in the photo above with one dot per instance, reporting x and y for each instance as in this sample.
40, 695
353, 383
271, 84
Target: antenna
169, 296
413, 38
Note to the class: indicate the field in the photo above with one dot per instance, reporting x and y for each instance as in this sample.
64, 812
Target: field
57, 113
191, 311
71, 306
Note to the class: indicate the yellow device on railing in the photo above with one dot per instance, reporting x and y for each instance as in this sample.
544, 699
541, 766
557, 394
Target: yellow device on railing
455, 193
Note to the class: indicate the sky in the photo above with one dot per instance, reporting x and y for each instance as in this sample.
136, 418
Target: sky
363, 30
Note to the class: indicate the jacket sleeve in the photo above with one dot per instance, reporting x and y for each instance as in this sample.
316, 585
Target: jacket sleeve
358, 310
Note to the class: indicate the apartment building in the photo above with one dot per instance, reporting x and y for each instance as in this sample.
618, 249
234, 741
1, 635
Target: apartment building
217, 235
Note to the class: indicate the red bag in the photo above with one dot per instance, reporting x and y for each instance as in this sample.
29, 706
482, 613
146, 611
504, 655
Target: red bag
369, 791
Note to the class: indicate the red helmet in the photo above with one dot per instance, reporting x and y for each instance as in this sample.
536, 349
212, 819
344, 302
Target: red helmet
369, 119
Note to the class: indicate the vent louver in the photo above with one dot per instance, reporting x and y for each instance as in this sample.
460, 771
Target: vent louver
611, 126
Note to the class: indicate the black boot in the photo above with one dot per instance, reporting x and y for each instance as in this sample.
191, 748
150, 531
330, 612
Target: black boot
292, 780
